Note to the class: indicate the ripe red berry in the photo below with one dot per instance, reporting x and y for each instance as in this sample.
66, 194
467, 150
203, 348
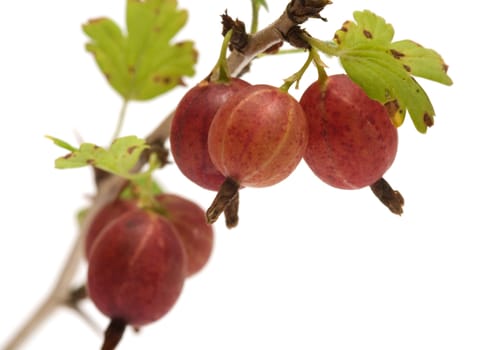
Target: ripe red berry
196, 234
189, 130
258, 136
103, 217
352, 141
136, 268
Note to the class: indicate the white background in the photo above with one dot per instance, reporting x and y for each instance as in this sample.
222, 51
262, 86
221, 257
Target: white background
309, 267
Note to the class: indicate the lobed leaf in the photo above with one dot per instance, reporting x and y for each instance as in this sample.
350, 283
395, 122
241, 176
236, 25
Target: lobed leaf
119, 159
385, 69
143, 63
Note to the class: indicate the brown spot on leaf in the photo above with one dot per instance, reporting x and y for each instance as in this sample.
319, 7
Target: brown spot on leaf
392, 107
131, 149
157, 29
407, 68
131, 69
428, 120
367, 34
90, 161
336, 39
68, 156
445, 67
397, 54
107, 76
162, 79
344, 26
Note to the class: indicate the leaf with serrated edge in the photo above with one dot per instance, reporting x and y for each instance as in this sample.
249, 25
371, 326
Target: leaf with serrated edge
381, 79
383, 71
420, 61
119, 159
107, 46
144, 63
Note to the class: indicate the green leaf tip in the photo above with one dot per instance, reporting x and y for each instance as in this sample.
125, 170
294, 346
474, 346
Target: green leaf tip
142, 63
385, 69
61, 143
119, 159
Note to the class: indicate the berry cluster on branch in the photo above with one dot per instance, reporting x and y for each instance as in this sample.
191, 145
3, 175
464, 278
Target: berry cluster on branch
227, 134
110, 186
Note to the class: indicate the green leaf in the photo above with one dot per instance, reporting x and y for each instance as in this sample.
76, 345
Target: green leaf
119, 159
143, 63
421, 62
61, 143
385, 69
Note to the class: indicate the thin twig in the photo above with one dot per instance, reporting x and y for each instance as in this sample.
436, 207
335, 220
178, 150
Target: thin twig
107, 191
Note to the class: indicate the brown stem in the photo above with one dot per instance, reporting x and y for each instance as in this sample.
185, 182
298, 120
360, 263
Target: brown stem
392, 199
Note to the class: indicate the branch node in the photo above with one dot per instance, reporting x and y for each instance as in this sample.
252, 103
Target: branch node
299, 11
240, 38
295, 37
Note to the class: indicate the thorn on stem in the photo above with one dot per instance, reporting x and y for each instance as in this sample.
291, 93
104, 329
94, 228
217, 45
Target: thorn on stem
391, 198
